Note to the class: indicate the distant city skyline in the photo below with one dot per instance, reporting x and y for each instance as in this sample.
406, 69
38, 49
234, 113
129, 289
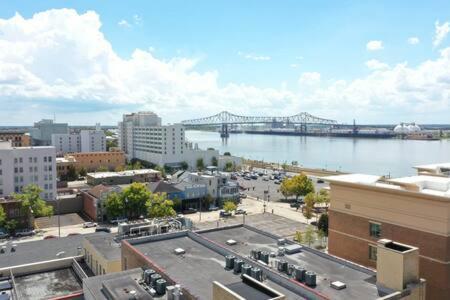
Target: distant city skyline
91, 61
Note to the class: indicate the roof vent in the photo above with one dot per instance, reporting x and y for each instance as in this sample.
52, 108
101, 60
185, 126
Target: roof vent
3, 249
338, 285
231, 242
13, 247
179, 251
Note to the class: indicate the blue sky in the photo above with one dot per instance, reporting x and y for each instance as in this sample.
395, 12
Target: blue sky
244, 49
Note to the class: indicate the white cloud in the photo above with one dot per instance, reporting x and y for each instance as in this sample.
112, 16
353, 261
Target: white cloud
374, 45
123, 23
441, 32
59, 59
252, 56
137, 20
374, 64
413, 40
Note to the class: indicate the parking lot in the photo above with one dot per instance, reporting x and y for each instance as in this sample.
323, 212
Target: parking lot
256, 187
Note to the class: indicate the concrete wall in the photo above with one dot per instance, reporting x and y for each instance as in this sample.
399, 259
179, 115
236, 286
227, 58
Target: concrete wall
221, 292
97, 262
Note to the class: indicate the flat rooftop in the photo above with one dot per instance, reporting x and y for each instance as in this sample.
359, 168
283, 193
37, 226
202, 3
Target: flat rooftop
433, 167
47, 285
126, 173
197, 268
431, 185
106, 245
360, 285
42, 250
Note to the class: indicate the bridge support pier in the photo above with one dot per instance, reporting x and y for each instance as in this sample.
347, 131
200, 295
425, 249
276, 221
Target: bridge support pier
303, 128
224, 131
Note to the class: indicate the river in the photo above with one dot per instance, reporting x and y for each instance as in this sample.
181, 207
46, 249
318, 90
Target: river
370, 156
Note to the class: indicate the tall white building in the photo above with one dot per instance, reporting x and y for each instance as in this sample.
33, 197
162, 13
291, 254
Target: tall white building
20, 166
42, 131
142, 136
85, 141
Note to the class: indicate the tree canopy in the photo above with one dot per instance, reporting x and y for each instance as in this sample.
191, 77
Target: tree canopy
322, 224
159, 206
200, 164
135, 197
301, 185
229, 206
31, 198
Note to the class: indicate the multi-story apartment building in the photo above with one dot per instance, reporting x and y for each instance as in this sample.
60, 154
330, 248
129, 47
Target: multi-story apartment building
20, 166
90, 161
66, 143
84, 141
41, 133
17, 138
142, 136
218, 185
412, 210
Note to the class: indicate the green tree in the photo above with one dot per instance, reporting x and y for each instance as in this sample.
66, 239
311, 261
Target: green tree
227, 154
72, 173
184, 165
301, 185
200, 164
161, 170
135, 197
119, 169
206, 201
114, 206
214, 161
229, 206
321, 235
102, 169
284, 166
11, 226
322, 224
176, 204
228, 166
309, 236
309, 206
323, 196
31, 199
286, 188
111, 144
82, 172
158, 206
298, 237
2, 216
168, 169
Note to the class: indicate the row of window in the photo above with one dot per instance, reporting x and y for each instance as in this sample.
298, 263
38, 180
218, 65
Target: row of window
31, 159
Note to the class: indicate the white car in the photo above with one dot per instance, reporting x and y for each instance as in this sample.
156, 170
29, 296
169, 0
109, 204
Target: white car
89, 224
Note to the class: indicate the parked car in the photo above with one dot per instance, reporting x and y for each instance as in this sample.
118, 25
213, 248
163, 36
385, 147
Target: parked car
260, 174
254, 176
242, 195
24, 232
295, 205
320, 181
277, 181
224, 214
240, 211
233, 177
4, 235
73, 233
89, 224
103, 229
189, 210
213, 208
49, 237
118, 220
247, 178
266, 178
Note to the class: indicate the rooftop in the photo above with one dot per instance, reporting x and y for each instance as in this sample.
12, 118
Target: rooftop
433, 167
42, 250
105, 244
126, 173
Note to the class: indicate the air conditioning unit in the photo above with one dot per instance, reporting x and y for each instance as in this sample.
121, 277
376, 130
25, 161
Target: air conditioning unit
338, 285
231, 242
179, 251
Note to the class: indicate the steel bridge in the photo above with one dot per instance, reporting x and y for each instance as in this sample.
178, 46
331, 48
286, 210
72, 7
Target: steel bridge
224, 119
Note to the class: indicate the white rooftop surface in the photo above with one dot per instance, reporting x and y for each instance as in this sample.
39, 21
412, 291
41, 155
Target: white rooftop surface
433, 167
354, 178
123, 173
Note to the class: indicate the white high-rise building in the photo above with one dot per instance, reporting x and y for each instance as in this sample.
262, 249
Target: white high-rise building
85, 141
42, 131
142, 136
20, 166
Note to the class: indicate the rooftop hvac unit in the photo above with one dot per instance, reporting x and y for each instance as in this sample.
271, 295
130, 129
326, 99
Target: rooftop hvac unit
281, 242
3, 249
229, 261
153, 278
264, 257
256, 273
299, 274
231, 242
147, 274
282, 266
179, 251
292, 249
160, 286
310, 278
290, 269
246, 269
281, 251
338, 285
238, 265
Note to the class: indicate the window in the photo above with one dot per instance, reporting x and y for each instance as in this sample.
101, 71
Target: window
15, 160
375, 229
35, 159
372, 252
20, 160
1, 172
45, 158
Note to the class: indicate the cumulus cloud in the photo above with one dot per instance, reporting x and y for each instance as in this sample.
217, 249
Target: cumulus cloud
413, 40
374, 45
60, 60
123, 23
441, 32
374, 64
252, 56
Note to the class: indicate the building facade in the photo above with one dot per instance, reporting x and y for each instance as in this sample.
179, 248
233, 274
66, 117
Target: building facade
18, 139
218, 186
93, 140
84, 141
21, 166
123, 177
141, 136
41, 133
412, 210
66, 143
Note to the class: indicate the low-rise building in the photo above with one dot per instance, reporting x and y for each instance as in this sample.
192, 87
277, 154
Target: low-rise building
102, 254
440, 169
190, 194
412, 210
94, 199
17, 138
218, 185
21, 166
123, 177
15, 211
